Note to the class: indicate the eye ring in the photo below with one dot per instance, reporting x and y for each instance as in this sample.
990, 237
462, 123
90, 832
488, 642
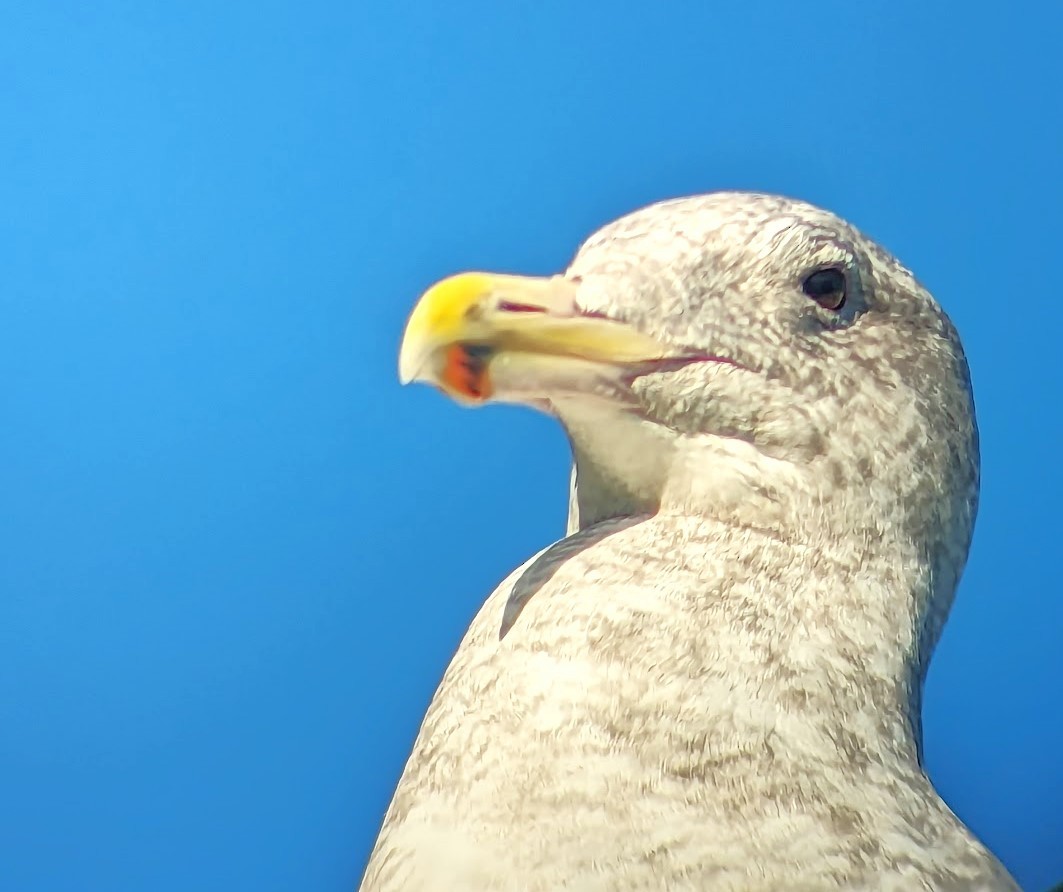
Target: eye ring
828, 287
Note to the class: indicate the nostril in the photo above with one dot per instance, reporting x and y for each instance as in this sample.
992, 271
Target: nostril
509, 307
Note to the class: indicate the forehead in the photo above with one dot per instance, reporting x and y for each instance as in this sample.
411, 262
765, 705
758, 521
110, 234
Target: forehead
738, 242
752, 234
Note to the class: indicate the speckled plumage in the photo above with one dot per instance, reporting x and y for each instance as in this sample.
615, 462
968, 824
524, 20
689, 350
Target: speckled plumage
714, 681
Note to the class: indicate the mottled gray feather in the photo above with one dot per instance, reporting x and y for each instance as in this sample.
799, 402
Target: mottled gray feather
714, 683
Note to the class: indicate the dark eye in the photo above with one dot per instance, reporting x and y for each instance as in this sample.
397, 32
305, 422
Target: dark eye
826, 287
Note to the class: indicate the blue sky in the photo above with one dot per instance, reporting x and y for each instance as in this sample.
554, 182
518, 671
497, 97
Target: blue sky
235, 556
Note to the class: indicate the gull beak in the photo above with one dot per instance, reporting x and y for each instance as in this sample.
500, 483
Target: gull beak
480, 337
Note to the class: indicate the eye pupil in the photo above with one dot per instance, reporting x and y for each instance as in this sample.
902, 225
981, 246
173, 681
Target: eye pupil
826, 287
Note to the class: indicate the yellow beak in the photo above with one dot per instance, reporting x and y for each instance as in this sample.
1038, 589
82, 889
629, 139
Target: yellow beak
480, 335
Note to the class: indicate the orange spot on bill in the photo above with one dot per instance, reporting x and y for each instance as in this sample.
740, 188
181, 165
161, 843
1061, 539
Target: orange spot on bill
465, 371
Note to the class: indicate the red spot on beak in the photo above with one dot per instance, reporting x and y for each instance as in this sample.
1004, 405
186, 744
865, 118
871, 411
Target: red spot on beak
465, 371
